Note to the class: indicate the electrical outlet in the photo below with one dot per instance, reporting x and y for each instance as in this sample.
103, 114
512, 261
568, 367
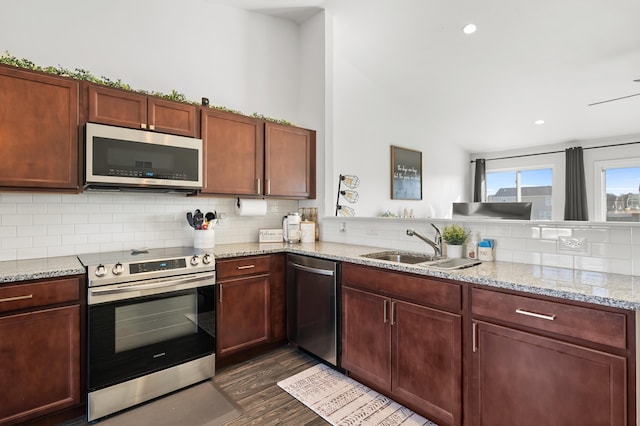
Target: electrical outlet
573, 244
343, 227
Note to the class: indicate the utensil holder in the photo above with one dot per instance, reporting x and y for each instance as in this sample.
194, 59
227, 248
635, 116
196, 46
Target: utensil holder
204, 238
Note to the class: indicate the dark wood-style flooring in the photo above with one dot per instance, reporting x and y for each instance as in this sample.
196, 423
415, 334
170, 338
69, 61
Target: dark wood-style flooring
253, 386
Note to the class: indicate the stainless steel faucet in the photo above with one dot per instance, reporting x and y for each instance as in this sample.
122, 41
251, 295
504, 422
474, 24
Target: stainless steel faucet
437, 245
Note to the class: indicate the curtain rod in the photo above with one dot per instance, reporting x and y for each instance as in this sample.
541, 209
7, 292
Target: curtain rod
557, 152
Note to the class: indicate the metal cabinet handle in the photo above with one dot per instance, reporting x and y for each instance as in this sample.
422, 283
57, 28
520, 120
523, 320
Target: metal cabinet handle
384, 313
268, 186
311, 269
536, 315
474, 337
143, 126
13, 299
259, 192
152, 127
393, 309
245, 267
220, 294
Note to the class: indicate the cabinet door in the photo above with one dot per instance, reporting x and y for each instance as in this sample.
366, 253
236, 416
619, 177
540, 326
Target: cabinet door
521, 378
172, 117
38, 131
233, 151
290, 161
117, 107
366, 337
40, 374
243, 314
427, 360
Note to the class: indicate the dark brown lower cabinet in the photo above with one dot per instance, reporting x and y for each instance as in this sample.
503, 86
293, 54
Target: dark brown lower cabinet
410, 352
243, 312
251, 308
41, 363
524, 379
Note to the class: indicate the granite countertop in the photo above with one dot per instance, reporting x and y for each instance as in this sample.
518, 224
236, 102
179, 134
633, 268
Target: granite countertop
35, 269
616, 290
621, 291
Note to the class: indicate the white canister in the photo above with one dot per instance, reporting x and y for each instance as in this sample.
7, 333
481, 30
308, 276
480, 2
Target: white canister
204, 238
308, 231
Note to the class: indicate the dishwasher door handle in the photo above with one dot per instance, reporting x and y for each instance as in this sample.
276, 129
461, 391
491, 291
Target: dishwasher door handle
312, 270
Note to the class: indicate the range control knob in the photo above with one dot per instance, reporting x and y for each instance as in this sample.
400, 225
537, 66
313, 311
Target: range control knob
206, 259
101, 271
194, 261
117, 269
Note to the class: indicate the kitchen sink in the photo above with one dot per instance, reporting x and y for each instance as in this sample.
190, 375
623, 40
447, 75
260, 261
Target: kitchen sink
423, 260
403, 257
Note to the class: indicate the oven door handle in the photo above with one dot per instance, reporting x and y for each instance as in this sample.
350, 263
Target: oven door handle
159, 284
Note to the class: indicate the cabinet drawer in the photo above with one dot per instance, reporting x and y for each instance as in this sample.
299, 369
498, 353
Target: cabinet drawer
242, 266
594, 325
415, 288
23, 296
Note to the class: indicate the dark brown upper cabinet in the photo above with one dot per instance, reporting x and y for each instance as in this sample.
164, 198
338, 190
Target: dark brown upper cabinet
248, 156
138, 111
38, 131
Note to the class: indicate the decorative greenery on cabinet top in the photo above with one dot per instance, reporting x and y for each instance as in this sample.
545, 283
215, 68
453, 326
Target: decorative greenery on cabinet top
84, 75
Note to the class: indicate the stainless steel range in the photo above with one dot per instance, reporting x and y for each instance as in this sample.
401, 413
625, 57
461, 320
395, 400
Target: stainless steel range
151, 325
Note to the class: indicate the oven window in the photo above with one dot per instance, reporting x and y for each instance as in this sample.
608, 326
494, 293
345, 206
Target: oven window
146, 323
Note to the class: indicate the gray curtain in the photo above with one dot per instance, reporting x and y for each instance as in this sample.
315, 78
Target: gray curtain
478, 183
575, 204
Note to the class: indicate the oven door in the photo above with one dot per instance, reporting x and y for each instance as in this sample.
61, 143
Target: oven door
133, 337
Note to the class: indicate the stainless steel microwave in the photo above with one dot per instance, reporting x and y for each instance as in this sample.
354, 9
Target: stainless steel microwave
127, 159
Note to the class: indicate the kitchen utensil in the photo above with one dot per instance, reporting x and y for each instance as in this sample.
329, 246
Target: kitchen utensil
198, 219
190, 219
209, 216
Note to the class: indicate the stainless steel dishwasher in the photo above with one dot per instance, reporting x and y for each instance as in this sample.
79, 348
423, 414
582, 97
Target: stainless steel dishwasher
313, 304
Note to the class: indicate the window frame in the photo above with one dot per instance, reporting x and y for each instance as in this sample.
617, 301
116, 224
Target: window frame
599, 183
524, 164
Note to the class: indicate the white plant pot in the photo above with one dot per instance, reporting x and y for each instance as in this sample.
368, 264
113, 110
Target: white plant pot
454, 251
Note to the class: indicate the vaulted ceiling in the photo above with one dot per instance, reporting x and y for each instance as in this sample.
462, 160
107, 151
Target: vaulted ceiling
545, 60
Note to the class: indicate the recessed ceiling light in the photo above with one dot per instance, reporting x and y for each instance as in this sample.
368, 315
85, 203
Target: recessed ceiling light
539, 122
469, 29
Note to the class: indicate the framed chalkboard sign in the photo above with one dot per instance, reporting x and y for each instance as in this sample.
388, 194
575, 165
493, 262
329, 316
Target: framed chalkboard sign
406, 174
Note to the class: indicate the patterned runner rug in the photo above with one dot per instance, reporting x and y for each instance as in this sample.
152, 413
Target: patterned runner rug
341, 400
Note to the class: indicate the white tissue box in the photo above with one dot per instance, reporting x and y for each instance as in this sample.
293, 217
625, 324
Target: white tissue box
270, 235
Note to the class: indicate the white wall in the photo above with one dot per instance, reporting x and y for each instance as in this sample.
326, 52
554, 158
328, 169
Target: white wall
370, 115
240, 60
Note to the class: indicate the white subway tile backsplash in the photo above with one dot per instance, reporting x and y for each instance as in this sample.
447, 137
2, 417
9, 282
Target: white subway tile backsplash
610, 249
554, 233
596, 235
557, 260
542, 246
525, 231
620, 236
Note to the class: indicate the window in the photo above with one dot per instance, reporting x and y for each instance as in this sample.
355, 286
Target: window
621, 193
532, 185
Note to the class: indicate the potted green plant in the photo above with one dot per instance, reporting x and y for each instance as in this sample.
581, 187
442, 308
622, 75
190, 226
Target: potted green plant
454, 236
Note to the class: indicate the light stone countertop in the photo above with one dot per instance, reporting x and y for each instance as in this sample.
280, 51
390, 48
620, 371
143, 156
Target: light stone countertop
621, 291
34, 269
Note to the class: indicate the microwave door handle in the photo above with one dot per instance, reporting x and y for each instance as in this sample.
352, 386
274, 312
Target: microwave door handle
161, 284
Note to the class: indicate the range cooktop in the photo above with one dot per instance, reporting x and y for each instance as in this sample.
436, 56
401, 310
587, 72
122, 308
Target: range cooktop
122, 266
